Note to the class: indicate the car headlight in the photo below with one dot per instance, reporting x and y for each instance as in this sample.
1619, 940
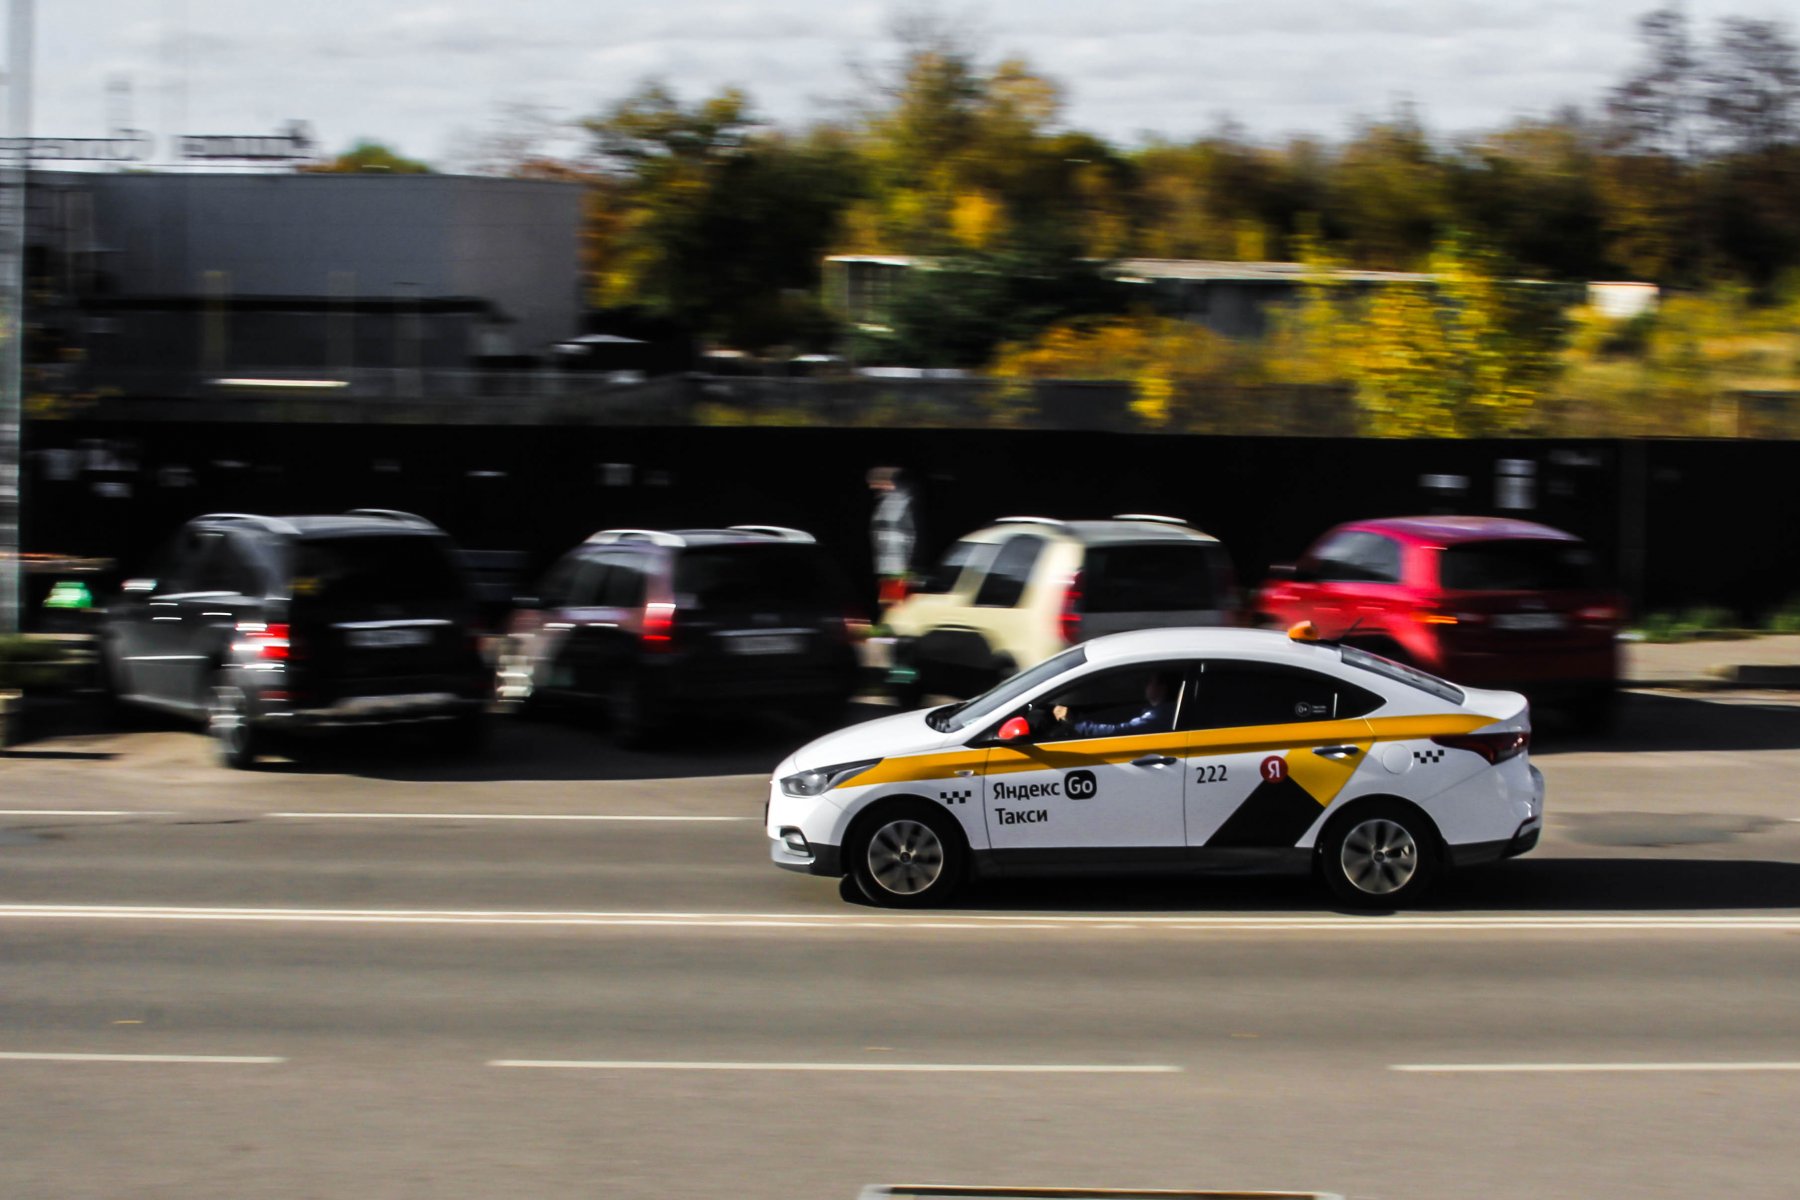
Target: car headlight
823, 779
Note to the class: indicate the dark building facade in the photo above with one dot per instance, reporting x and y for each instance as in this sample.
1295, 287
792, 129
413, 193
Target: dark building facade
165, 284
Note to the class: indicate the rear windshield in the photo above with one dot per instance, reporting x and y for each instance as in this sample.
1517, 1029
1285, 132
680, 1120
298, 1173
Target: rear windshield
757, 578
1387, 668
1158, 578
382, 569
1524, 565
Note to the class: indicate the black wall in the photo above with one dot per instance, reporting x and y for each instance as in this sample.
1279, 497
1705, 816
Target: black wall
1681, 522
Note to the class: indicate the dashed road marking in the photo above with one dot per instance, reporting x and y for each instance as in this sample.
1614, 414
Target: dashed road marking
1574, 1068
225, 1060
428, 816
850, 1067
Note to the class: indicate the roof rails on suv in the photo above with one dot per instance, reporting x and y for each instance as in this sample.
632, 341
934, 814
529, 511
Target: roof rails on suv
1154, 517
272, 524
392, 514
655, 537
779, 532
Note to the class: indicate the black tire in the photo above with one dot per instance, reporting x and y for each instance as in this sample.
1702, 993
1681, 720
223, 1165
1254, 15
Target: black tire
632, 713
463, 737
1595, 714
1379, 854
236, 738
114, 709
907, 854
908, 695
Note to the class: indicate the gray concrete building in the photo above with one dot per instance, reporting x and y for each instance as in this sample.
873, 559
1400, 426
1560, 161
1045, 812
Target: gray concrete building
157, 281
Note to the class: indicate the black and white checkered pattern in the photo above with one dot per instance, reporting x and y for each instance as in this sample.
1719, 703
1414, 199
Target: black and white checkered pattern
960, 797
1428, 756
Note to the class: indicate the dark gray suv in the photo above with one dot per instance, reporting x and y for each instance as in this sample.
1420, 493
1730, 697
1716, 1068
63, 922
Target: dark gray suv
261, 624
652, 624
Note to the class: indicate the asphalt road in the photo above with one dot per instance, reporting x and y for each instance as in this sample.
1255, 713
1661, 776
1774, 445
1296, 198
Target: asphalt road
364, 973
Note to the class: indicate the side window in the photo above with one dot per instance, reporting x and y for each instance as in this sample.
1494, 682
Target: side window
942, 578
559, 582
1006, 580
1232, 694
1130, 702
185, 565
624, 584
226, 567
589, 583
1357, 557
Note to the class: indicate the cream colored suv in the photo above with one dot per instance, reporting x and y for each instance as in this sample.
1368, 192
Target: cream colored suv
1009, 596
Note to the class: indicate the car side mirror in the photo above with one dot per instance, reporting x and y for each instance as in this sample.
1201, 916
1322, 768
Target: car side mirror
1016, 729
138, 587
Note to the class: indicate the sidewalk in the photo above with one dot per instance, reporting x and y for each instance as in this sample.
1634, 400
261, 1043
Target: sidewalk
1771, 662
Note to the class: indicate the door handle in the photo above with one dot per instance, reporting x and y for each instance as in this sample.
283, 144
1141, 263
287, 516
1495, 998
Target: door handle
963, 774
1336, 752
1153, 760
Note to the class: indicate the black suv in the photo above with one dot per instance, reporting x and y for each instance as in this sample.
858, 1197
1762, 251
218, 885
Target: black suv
647, 622
262, 624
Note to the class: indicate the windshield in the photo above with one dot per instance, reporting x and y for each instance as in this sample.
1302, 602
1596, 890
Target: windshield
995, 701
1387, 668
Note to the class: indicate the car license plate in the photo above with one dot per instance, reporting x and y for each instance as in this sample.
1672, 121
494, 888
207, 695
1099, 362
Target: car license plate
387, 639
764, 643
1529, 622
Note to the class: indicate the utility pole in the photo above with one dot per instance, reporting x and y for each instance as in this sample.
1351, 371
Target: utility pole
14, 172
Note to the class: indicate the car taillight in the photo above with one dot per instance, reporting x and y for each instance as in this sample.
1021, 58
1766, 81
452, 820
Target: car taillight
659, 626
1068, 621
853, 627
1495, 747
1600, 614
263, 641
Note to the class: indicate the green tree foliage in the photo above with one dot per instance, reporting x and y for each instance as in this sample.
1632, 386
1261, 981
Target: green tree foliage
1686, 174
1469, 352
370, 157
713, 218
957, 311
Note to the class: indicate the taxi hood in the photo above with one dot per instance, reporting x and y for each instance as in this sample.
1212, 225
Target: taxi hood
884, 737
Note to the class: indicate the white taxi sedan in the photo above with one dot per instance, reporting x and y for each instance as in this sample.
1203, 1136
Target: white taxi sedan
1172, 751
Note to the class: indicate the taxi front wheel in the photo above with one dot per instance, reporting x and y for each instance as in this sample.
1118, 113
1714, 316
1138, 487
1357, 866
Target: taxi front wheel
908, 856
1381, 855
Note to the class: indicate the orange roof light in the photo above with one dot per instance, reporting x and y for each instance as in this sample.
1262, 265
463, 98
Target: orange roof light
1303, 631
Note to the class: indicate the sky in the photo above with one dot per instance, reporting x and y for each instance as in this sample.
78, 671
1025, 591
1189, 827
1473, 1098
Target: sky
430, 77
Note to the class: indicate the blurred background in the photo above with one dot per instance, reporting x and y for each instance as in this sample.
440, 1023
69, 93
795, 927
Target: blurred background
686, 304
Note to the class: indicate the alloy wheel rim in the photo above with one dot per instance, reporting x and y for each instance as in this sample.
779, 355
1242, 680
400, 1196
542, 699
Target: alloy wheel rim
1379, 857
906, 857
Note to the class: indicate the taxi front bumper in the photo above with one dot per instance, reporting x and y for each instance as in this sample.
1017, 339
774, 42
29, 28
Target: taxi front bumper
816, 859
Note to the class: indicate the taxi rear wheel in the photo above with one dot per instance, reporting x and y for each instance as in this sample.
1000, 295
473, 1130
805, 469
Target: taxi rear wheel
908, 856
1381, 855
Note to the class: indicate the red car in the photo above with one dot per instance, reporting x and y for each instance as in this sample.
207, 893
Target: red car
1487, 601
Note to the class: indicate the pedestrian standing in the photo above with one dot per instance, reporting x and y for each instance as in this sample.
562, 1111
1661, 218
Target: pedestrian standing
893, 531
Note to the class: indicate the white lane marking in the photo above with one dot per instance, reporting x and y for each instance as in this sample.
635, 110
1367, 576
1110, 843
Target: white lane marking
1584, 1068
87, 812
211, 1059
426, 816
958, 922
553, 1064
